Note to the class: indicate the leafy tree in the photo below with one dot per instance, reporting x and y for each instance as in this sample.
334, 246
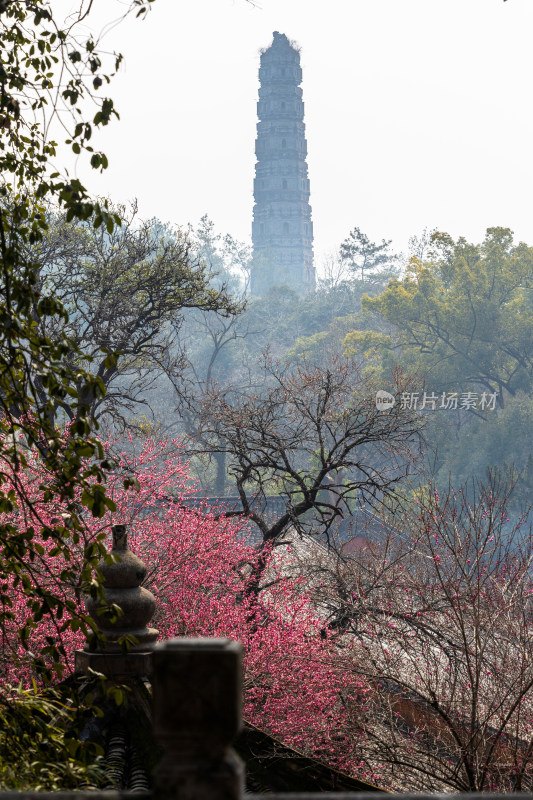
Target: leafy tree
420, 246
368, 258
227, 259
38, 747
318, 323
274, 316
46, 69
466, 448
467, 315
125, 292
463, 320
281, 317
322, 346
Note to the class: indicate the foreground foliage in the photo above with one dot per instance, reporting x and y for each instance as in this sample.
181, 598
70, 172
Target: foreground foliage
39, 749
50, 73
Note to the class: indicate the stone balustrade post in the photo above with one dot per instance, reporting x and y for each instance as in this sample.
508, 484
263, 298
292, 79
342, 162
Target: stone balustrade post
197, 690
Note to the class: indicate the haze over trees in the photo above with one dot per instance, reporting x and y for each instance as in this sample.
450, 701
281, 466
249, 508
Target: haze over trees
125, 292
463, 320
459, 320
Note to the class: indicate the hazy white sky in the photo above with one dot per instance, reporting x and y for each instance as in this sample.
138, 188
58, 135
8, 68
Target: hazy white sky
418, 113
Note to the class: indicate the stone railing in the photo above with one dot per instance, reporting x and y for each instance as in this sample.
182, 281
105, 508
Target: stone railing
196, 715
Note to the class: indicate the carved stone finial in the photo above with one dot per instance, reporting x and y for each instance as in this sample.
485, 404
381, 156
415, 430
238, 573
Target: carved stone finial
122, 587
127, 573
120, 537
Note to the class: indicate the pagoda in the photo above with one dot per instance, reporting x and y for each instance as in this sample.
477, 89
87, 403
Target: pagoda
282, 230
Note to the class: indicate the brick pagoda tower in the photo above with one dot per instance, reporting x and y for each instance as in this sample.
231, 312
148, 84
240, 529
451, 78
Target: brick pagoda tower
282, 230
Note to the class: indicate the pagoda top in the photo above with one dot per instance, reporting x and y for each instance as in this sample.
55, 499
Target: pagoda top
280, 38
281, 41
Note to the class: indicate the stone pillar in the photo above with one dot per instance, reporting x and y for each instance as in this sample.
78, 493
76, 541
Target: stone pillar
197, 689
122, 587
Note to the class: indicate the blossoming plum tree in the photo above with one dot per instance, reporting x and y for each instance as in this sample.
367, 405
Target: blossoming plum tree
297, 684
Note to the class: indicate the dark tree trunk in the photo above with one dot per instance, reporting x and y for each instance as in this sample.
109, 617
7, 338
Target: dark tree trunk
220, 480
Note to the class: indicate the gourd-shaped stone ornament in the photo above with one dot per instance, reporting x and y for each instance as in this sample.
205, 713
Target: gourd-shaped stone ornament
122, 587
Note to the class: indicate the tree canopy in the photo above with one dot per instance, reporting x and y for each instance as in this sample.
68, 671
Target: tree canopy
465, 315
462, 321
366, 257
126, 292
